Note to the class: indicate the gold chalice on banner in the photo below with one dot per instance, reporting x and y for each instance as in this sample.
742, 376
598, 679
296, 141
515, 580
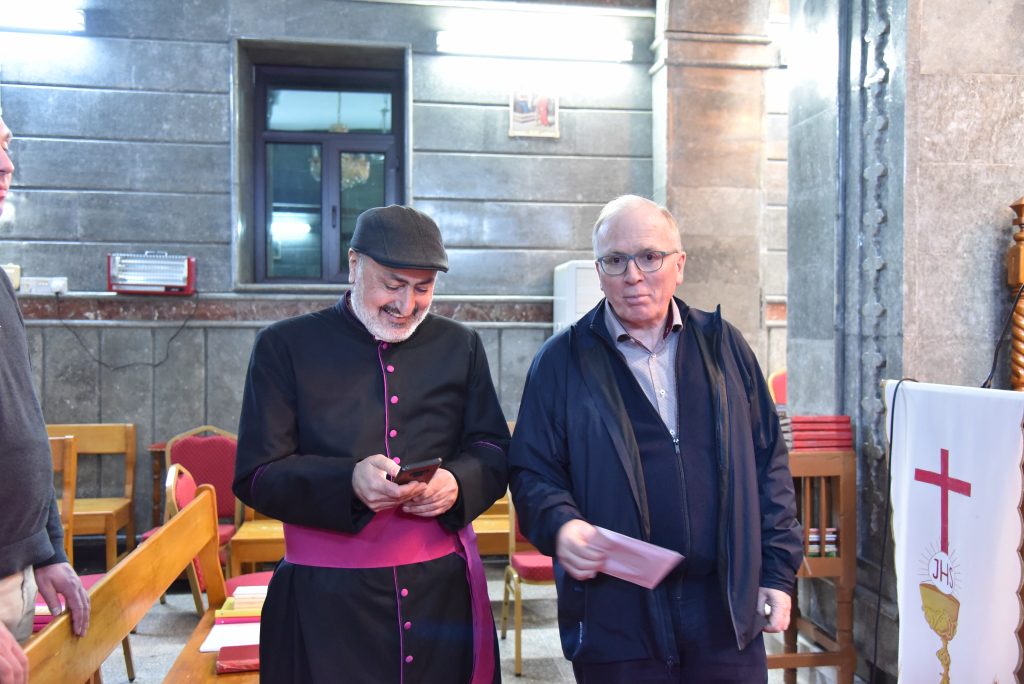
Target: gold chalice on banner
941, 612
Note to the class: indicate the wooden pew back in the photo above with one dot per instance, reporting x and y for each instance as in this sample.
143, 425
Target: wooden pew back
126, 593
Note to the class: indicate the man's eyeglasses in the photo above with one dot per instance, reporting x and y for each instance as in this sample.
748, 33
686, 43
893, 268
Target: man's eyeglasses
648, 262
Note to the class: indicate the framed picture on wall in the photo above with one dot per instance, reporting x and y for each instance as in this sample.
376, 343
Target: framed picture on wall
533, 114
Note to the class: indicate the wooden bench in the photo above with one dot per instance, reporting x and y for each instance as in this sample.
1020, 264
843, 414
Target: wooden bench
127, 592
826, 485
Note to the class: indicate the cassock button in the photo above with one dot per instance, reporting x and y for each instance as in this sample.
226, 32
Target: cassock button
391, 369
393, 433
408, 659
394, 399
384, 345
407, 625
405, 592
396, 459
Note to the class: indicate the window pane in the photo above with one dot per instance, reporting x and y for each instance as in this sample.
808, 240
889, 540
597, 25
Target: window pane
362, 188
293, 211
289, 109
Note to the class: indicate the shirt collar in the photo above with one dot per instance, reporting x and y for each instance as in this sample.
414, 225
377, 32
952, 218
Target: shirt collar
673, 323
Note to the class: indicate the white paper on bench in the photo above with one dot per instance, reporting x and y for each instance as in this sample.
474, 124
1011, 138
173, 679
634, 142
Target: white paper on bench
232, 634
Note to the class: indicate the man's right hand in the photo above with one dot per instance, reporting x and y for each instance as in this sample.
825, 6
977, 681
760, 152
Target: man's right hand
13, 664
576, 552
371, 484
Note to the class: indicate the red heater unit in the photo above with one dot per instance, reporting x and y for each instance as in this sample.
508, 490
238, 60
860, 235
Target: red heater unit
151, 273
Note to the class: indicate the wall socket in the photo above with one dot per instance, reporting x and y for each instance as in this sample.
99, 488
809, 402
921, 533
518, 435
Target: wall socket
44, 285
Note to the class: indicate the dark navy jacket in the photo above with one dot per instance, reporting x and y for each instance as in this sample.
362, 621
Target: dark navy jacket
574, 455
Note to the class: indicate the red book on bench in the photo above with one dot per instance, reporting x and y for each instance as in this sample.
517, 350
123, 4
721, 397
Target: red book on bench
238, 659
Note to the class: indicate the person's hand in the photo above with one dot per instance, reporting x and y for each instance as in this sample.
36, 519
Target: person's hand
13, 663
440, 494
576, 552
58, 580
781, 604
371, 484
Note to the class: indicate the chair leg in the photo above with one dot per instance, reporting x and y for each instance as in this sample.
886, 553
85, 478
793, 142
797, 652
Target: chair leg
129, 531
126, 646
519, 626
110, 533
193, 583
504, 601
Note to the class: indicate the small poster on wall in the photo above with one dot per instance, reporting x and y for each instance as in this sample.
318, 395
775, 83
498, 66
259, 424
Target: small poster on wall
533, 114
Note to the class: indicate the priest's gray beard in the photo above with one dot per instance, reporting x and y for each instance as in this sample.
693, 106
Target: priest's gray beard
378, 322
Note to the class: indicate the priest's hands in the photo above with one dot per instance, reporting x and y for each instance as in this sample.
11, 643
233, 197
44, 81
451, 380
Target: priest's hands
780, 604
371, 484
575, 550
441, 493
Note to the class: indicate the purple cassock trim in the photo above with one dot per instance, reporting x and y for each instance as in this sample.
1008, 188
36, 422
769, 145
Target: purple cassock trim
489, 445
394, 538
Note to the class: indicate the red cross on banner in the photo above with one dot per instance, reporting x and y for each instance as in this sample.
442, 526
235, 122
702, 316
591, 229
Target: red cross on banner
946, 484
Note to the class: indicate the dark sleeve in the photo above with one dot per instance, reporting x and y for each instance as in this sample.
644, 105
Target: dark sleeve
781, 540
270, 476
481, 464
55, 531
539, 456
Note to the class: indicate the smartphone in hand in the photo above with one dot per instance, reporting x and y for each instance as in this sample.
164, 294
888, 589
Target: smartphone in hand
421, 471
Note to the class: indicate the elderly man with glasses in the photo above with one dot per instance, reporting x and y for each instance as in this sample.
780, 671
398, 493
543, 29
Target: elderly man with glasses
652, 419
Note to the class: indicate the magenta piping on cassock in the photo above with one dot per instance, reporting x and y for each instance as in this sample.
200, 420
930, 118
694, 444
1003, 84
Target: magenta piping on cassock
489, 445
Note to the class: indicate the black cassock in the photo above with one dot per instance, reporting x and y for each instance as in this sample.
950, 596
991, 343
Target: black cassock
320, 395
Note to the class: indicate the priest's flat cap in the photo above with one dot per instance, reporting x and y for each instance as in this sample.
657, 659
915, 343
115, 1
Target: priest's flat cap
400, 237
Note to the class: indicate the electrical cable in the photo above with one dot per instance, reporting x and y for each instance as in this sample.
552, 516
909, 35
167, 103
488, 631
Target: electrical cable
1002, 338
885, 526
104, 364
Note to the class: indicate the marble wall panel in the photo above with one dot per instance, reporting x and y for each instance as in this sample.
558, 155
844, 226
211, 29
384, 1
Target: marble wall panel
724, 211
720, 260
518, 347
984, 40
116, 115
95, 61
979, 121
126, 396
195, 20
466, 128
461, 79
812, 59
511, 272
811, 388
119, 217
491, 339
227, 360
535, 179
471, 223
121, 166
718, 16
775, 228
179, 396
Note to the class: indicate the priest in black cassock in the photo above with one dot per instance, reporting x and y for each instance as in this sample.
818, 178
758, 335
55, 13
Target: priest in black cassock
380, 582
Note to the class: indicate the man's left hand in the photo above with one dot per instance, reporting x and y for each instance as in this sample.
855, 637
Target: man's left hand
781, 604
58, 580
442, 491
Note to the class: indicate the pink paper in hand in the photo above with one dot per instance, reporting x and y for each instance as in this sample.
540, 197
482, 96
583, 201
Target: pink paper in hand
634, 560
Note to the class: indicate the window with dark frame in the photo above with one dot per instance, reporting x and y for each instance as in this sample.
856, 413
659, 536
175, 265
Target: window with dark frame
328, 144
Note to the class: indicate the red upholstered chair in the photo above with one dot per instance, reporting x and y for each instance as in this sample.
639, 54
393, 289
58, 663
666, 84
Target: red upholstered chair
777, 386
526, 565
181, 490
209, 455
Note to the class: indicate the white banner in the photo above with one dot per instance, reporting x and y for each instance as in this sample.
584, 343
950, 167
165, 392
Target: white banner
956, 489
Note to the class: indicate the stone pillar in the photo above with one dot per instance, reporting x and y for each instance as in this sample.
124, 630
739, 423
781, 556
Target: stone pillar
709, 148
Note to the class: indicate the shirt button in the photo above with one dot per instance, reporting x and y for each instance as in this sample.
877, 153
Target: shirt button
405, 592
661, 392
407, 625
408, 658
394, 399
391, 369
